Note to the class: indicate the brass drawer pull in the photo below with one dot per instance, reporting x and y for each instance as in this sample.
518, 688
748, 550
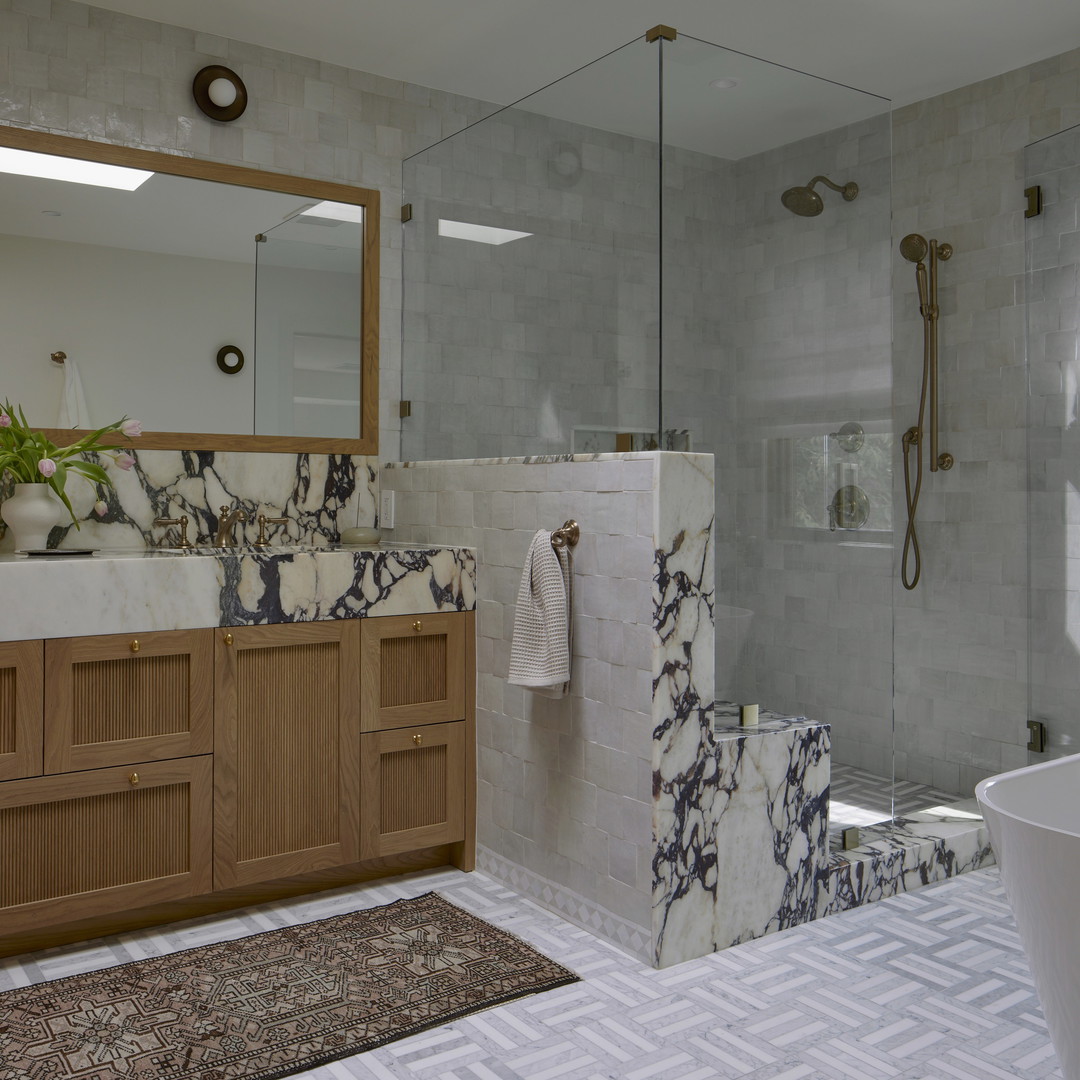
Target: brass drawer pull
135, 645
228, 639
418, 626
134, 778
418, 739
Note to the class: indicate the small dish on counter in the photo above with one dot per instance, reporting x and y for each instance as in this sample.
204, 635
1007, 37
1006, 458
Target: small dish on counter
37, 553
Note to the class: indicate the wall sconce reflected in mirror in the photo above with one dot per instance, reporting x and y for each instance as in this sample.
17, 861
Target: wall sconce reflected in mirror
220, 93
230, 359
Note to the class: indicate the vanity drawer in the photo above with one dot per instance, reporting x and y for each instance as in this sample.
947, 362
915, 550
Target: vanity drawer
412, 670
20, 708
90, 843
412, 789
121, 698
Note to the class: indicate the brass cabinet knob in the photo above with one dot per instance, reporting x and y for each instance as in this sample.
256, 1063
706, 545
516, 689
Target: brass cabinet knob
418, 739
134, 778
228, 639
418, 626
135, 645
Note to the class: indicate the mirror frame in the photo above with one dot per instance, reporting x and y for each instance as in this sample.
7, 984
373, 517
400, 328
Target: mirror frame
155, 161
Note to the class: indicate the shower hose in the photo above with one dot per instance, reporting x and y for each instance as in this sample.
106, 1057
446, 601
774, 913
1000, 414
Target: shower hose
911, 563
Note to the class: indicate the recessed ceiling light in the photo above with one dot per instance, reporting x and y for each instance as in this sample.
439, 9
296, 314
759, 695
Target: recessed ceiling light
74, 170
724, 84
482, 234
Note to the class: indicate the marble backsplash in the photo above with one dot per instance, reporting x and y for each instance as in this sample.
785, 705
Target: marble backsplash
320, 494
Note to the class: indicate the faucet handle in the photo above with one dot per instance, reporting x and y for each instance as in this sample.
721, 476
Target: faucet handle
262, 541
182, 521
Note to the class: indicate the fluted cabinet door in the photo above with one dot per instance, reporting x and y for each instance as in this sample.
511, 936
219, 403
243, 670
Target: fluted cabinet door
94, 842
414, 670
20, 708
413, 788
286, 772
114, 699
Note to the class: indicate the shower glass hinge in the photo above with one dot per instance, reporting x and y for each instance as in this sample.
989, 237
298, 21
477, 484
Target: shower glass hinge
668, 33
1036, 736
406, 212
404, 409
1034, 200
850, 838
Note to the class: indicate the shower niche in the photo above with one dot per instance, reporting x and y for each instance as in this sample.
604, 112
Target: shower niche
837, 482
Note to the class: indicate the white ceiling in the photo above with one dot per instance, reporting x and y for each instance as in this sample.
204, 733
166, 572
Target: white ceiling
501, 50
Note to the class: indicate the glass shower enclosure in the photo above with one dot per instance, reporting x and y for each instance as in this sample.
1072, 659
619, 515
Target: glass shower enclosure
682, 247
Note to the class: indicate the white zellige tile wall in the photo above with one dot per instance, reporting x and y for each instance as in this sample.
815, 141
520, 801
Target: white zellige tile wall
564, 786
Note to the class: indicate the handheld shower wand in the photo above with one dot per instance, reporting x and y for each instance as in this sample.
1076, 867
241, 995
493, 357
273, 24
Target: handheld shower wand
915, 248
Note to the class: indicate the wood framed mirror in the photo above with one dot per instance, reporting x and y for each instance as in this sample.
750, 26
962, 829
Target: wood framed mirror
283, 269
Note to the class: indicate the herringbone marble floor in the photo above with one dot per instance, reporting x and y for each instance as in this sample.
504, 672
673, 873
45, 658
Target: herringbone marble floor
931, 985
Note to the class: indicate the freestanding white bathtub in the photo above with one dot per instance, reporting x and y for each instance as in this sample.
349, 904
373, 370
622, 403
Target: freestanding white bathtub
1034, 819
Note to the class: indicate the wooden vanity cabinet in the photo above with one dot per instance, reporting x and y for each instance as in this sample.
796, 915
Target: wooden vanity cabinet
117, 699
90, 843
149, 773
286, 752
21, 687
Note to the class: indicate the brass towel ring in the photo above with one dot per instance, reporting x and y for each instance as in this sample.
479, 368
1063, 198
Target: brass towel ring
567, 536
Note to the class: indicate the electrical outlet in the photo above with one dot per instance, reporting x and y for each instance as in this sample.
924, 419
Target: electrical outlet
386, 509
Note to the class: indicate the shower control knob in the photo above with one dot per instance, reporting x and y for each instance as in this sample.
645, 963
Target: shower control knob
946, 461
944, 252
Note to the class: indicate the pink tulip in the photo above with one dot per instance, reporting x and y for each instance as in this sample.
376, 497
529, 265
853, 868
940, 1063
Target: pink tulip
46, 466
100, 507
5, 420
131, 428
125, 461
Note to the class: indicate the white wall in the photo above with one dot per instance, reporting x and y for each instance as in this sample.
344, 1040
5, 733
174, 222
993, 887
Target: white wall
124, 315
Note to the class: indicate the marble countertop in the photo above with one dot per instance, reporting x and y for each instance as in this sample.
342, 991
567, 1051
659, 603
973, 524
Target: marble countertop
129, 590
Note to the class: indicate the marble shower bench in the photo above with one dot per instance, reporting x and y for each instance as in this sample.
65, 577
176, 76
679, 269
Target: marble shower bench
766, 854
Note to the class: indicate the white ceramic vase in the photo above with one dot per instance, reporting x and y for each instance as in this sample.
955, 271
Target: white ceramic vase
30, 513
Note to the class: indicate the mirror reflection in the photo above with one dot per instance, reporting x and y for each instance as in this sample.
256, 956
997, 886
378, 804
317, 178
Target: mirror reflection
142, 288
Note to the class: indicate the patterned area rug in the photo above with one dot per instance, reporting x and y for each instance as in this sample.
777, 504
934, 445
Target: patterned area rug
272, 1004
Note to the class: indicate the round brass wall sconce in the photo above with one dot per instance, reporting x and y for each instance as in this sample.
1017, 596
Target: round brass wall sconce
230, 359
220, 92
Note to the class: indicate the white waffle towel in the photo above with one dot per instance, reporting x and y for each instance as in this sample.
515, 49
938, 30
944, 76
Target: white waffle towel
542, 644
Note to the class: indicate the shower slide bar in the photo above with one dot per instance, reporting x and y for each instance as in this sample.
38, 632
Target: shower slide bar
916, 248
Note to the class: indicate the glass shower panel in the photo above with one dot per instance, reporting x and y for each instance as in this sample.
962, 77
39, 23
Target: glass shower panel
1053, 320
530, 272
776, 357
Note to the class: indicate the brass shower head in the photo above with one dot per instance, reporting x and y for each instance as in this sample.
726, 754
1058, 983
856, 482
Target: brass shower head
914, 247
806, 202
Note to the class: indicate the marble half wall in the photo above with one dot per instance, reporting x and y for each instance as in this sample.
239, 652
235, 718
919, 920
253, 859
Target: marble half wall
582, 801
320, 494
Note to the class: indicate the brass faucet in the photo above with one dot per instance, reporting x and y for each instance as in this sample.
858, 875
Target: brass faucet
226, 523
